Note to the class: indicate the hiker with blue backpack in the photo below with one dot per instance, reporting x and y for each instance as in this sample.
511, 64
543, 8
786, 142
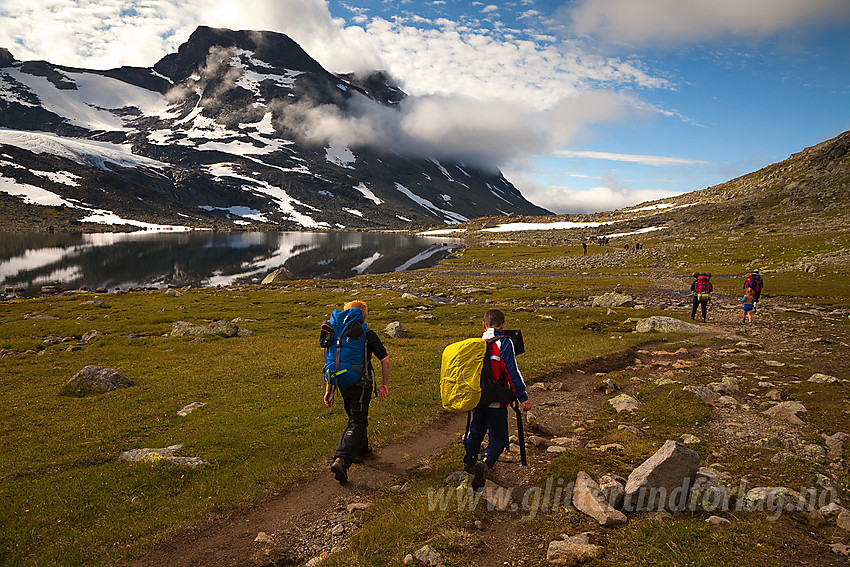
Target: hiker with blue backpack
754, 282
349, 346
491, 418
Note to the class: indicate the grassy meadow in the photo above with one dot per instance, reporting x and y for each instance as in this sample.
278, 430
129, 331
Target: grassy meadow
66, 499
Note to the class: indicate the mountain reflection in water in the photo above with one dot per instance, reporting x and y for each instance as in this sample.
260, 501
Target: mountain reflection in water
159, 259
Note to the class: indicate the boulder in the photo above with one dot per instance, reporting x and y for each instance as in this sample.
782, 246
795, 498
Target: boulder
706, 395
613, 299
709, 492
279, 275
662, 482
395, 330
95, 380
835, 444
427, 555
190, 408
786, 411
624, 402
613, 489
774, 499
819, 378
588, 498
571, 550
728, 386
666, 325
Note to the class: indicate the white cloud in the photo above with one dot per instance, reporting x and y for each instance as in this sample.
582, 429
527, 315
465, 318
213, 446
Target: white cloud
564, 200
655, 161
104, 34
688, 21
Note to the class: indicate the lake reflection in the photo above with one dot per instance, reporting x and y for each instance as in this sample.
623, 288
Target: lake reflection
156, 259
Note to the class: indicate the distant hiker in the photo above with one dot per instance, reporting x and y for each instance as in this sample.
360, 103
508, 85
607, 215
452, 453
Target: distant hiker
584, 247
348, 369
749, 305
618, 289
755, 282
492, 419
701, 288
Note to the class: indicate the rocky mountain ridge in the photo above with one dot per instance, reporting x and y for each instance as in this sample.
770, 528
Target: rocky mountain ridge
212, 136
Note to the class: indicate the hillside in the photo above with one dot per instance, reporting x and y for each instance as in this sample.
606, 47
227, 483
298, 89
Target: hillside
218, 135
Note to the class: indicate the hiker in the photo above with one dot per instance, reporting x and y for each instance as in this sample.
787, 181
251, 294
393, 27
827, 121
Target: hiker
584, 246
493, 419
618, 289
755, 282
701, 288
749, 305
354, 445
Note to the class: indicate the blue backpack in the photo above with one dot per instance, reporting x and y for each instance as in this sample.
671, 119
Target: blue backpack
344, 339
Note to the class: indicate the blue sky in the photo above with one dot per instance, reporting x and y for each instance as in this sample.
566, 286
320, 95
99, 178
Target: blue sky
584, 105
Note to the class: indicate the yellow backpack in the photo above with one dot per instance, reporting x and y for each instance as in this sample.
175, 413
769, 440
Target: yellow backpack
460, 374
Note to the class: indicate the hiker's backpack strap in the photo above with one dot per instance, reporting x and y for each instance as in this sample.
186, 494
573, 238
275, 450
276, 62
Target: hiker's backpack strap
468, 423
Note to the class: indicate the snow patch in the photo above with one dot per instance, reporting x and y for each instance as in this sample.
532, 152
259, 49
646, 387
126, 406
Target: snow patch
364, 265
368, 194
561, 225
33, 195
340, 154
62, 177
449, 217
641, 231
354, 212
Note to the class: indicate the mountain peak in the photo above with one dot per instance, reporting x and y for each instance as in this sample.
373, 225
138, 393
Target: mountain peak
274, 48
6, 57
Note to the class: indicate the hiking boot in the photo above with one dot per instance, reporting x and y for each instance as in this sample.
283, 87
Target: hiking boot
479, 476
364, 455
468, 469
340, 470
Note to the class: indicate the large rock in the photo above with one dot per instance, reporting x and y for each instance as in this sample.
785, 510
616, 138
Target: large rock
588, 498
786, 411
279, 275
95, 380
427, 555
613, 299
570, 550
395, 330
666, 325
663, 481
624, 402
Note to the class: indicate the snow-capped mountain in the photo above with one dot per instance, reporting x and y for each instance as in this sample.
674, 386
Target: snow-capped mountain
217, 135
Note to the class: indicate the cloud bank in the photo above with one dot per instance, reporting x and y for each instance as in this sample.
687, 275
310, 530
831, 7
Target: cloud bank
654, 22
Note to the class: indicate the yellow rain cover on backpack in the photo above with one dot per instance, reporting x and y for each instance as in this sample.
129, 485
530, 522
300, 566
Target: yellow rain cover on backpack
460, 374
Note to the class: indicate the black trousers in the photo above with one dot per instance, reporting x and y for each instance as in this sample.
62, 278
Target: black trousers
697, 302
354, 442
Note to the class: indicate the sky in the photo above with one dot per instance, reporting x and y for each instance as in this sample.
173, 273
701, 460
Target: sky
585, 105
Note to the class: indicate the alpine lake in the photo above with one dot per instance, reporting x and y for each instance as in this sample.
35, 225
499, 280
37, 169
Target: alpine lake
112, 261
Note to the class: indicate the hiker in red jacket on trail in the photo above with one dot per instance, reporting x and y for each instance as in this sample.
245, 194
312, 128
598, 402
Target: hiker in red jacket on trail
701, 288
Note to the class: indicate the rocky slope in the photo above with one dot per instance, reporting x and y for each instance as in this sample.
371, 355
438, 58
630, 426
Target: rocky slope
215, 136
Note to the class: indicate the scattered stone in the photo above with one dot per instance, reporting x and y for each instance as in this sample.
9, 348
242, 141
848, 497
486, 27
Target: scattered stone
279, 275
184, 328
263, 537
835, 444
832, 510
666, 325
726, 401
705, 394
708, 492
717, 521
611, 448
557, 449
840, 549
774, 395
775, 498
408, 559
357, 507
570, 550
190, 408
689, 439
786, 411
624, 402
843, 521
613, 299
608, 386
728, 386
409, 296
95, 380
774, 363
95, 302
630, 429
164, 454
662, 481
89, 335
613, 489
173, 292
395, 330
588, 498
338, 530
479, 525
320, 558
665, 382
427, 555
819, 378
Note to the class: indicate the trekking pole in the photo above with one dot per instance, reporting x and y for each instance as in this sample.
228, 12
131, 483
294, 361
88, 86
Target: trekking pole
520, 433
